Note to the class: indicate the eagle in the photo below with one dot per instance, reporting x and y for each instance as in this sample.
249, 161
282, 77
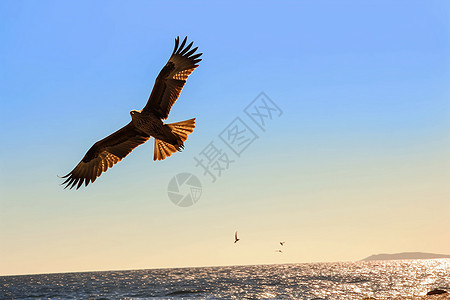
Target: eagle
145, 123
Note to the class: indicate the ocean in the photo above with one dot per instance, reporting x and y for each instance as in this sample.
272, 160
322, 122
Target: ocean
345, 280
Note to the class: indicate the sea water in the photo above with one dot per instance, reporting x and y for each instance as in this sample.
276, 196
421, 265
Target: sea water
346, 280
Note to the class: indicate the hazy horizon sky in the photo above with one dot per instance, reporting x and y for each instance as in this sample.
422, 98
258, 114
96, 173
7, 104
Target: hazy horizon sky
357, 164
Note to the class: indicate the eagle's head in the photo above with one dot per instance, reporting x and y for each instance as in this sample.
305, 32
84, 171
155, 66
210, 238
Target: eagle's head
134, 113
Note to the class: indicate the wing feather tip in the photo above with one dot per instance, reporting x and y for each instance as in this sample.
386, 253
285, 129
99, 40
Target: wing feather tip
182, 45
177, 41
74, 183
67, 180
69, 183
186, 49
191, 52
80, 183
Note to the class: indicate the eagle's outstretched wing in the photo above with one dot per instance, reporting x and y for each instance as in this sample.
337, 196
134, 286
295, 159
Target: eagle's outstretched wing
171, 79
104, 154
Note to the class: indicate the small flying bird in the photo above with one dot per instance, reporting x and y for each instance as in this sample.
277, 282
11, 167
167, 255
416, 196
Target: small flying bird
279, 251
282, 243
145, 123
235, 237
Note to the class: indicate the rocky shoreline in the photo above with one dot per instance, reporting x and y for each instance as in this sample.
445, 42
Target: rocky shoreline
436, 294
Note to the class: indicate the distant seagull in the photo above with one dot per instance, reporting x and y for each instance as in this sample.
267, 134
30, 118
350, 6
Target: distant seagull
279, 251
235, 237
145, 123
282, 243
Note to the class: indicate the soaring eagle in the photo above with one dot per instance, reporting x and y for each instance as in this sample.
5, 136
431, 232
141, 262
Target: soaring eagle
145, 123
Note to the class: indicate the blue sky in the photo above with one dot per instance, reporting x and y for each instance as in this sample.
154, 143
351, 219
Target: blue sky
357, 164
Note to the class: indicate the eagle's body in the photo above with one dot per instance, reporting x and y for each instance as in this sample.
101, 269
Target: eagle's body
151, 125
145, 123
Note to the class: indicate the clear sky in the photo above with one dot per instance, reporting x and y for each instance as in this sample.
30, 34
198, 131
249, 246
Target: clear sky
357, 164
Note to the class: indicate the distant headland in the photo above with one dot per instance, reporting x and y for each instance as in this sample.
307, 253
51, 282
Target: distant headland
405, 255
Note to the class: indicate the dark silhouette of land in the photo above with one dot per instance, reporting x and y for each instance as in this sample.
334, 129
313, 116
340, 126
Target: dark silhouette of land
406, 255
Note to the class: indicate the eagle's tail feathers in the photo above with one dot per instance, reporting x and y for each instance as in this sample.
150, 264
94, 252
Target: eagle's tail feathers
180, 129
183, 129
163, 150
